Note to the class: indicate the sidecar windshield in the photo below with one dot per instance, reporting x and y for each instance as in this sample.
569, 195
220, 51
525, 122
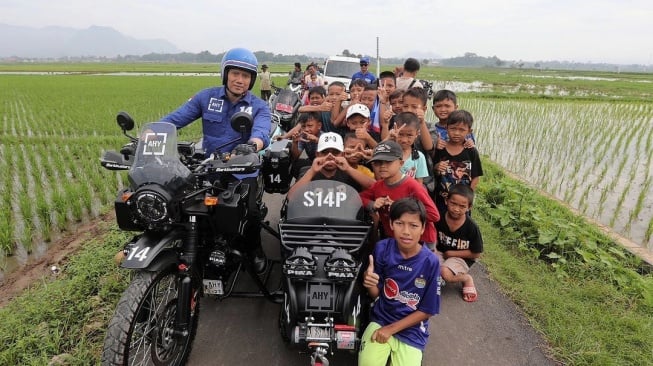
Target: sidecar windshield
157, 160
324, 200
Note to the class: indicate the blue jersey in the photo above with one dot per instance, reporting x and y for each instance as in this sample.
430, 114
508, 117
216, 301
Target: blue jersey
215, 109
444, 135
368, 77
406, 285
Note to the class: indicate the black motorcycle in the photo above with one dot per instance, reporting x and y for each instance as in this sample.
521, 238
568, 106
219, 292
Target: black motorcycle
190, 213
428, 88
323, 235
284, 105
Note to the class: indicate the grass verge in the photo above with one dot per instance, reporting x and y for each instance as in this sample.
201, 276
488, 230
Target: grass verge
591, 313
62, 320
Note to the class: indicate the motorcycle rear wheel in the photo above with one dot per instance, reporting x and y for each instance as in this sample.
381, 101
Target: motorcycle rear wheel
140, 332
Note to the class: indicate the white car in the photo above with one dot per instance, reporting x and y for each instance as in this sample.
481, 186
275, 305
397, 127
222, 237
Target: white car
340, 68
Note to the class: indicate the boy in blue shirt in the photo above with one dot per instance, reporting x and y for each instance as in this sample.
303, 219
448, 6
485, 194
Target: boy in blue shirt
444, 103
405, 132
403, 278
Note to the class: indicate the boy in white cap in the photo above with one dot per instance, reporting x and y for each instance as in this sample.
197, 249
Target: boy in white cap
330, 163
358, 120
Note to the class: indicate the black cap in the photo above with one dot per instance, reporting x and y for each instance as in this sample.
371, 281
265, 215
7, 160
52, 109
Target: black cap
387, 151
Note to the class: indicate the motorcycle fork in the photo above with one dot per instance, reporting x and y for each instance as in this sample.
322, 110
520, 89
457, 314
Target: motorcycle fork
185, 293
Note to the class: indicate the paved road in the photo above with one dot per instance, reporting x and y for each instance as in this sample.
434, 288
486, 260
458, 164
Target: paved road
491, 331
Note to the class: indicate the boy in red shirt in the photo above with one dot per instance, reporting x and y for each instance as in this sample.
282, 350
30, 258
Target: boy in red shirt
392, 185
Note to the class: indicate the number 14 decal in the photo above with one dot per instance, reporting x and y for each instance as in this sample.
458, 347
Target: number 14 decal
141, 254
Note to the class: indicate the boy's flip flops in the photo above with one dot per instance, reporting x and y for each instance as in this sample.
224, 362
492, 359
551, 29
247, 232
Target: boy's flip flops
469, 294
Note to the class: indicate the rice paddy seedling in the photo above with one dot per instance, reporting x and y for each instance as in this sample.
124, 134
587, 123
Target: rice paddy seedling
590, 145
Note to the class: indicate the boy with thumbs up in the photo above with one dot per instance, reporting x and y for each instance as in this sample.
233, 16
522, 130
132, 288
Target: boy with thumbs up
403, 278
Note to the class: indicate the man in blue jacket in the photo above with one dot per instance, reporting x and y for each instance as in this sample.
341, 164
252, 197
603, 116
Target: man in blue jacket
216, 106
364, 74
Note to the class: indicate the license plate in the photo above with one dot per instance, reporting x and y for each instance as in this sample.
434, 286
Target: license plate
213, 287
283, 107
320, 296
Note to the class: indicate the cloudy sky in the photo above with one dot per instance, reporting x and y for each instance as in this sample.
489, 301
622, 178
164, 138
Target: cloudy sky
613, 31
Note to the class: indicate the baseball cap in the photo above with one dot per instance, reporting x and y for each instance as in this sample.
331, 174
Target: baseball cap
365, 60
330, 140
358, 109
387, 151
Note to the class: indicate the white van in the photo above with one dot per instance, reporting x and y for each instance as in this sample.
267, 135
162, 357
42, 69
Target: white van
340, 68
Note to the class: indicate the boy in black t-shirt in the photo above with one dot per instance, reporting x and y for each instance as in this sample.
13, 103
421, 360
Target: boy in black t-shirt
455, 164
459, 241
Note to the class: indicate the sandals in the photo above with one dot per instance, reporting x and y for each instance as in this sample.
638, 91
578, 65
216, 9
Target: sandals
470, 294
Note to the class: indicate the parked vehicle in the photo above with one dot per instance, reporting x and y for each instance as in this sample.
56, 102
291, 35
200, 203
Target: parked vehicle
340, 68
188, 212
428, 87
284, 105
323, 233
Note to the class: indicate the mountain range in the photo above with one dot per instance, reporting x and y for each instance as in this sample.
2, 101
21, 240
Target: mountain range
56, 42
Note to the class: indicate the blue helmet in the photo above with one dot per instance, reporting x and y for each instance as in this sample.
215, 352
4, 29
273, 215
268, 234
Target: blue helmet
365, 60
239, 58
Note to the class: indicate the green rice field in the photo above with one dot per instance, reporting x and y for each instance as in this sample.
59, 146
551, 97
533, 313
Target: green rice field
596, 156
589, 146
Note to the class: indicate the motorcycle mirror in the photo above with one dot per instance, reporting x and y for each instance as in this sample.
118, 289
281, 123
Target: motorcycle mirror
242, 122
125, 121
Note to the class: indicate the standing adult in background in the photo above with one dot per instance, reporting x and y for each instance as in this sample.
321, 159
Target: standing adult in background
266, 83
215, 106
364, 73
311, 79
408, 76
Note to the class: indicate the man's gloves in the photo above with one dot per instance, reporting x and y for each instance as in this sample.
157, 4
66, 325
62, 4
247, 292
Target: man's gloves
244, 149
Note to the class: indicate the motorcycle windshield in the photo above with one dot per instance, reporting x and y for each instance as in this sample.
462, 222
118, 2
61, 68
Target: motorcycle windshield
287, 97
157, 160
327, 199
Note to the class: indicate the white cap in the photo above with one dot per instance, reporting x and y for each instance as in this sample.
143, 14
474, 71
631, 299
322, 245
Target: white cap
358, 109
330, 140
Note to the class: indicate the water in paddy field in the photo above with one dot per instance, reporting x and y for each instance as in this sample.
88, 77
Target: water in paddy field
583, 153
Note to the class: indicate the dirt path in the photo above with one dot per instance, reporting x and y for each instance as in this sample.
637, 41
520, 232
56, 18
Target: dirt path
58, 251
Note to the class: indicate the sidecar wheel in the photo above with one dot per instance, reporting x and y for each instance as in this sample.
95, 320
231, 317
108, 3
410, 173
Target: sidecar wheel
140, 332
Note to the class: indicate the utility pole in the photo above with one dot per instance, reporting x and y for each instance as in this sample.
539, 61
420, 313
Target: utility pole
378, 59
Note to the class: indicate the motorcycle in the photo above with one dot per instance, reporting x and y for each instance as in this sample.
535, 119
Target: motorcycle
284, 105
428, 88
190, 213
323, 233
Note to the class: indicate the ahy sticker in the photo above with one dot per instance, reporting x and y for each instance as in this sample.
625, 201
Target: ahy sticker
155, 143
215, 105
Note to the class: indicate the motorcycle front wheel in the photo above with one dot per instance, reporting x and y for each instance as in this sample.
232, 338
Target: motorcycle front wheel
141, 330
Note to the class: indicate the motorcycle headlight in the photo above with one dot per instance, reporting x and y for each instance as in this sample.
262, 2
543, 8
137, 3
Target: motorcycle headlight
151, 205
300, 264
340, 266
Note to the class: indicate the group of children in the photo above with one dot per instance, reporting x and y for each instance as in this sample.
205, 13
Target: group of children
425, 175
